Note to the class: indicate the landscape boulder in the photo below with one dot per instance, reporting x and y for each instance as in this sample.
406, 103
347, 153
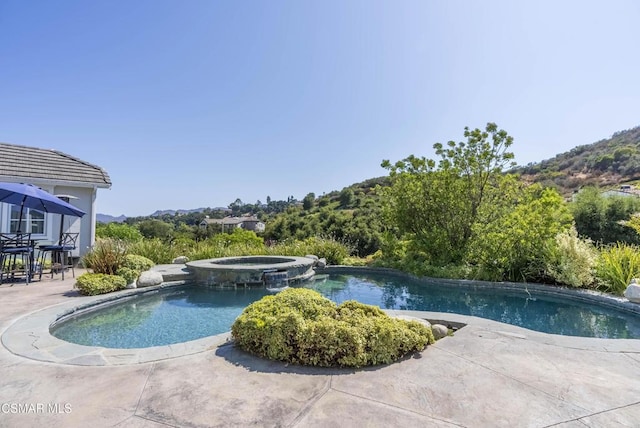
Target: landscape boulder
439, 331
321, 263
180, 260
633, 291
149, 278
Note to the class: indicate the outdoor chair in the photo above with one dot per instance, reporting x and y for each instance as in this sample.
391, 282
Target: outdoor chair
16, 256
60, 254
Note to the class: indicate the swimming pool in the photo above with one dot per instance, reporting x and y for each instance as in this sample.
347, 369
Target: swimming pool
191, 312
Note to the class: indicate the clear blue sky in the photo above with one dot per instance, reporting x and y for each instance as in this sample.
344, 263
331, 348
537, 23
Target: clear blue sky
191, 104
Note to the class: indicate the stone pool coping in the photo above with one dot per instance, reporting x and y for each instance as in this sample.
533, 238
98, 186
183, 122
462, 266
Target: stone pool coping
29, 336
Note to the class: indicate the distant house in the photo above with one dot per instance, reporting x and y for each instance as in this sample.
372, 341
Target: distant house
57, 173
229, 223
624, 190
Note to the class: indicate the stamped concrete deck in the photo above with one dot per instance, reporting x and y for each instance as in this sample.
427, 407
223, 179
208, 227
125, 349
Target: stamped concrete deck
487, 375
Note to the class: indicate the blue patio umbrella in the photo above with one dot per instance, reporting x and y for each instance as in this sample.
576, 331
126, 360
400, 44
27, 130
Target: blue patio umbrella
30, 196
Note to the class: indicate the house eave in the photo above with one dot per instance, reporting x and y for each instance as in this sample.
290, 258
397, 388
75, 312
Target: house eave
36, 181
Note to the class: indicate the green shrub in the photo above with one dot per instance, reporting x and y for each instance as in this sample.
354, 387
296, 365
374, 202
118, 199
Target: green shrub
358, 261
238, 243
91, 284
330, 249
571, 260
333, 251
156, 229
129, 275
617, 265
121, 231
181, 244
106, 256
214, 248
204, 250
509, 247
301, 326
328, 343
137, 263
247, 238
408, 257
602, 218
155, 250
389, 339
449, 271
392, 249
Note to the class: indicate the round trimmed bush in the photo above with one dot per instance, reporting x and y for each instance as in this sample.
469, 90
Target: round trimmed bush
136, 262
301, 326
91, 284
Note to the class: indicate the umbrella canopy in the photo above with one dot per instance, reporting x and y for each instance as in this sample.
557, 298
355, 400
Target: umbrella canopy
30, 196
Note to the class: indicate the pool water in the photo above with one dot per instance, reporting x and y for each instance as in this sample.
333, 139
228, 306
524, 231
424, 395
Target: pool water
162, 318
548, 314
194, 312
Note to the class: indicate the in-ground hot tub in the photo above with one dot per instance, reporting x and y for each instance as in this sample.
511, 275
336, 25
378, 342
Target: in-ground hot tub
250, 270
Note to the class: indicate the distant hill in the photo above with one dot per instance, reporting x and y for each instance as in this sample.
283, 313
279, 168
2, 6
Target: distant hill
106, 218
365, 188
605, 163
159, 213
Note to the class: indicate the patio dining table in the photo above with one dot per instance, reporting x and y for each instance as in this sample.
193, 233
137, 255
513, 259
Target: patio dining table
13, 248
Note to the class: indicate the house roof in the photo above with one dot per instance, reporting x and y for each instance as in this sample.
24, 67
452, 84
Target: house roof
32, 163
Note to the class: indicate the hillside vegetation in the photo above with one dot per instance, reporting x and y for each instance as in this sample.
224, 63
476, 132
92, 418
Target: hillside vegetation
605, 163
351, 216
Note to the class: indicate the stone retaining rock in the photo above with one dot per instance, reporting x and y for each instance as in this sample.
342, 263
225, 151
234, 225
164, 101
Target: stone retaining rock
149, 278
180, 260
439, 331
632, 293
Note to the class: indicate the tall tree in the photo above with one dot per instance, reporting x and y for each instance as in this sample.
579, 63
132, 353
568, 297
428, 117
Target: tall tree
236, 206
156, 229
346, 197
308, 201
439, 202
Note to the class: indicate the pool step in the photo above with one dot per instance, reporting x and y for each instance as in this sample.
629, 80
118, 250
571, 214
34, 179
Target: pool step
173, 272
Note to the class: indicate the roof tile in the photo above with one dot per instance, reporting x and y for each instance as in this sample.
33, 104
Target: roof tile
32, 162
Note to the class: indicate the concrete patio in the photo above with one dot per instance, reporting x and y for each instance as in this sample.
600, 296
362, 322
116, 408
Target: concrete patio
487, 375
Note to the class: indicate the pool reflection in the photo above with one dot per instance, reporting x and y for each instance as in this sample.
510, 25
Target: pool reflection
541, 313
